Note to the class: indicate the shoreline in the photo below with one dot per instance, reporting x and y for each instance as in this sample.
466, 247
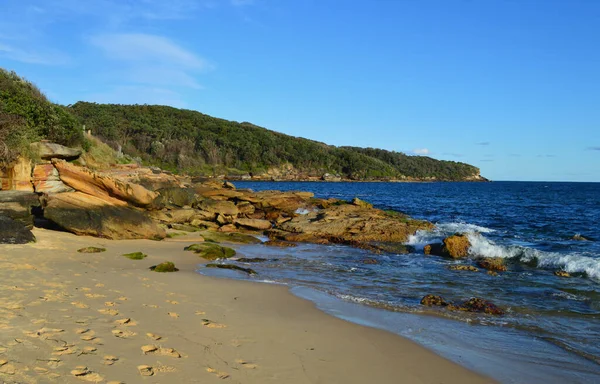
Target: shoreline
247, 331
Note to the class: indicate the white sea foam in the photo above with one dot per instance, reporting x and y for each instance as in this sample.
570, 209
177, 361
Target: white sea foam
463, 228
571, 262
302, 211
440, 231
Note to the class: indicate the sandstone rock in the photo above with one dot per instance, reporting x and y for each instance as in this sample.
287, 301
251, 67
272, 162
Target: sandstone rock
228, 185
219, 194
457, 246
173, 216
561, 273
363, 204
204, 224
245, 208
183, 227
203, 215
480, 305
433, 301
218, 207
103, 187
227, 228
14, 232
176, 197
492, 264
18, 205
48, 151
83, 214
46, 180
254, 223
463, 268
17, 176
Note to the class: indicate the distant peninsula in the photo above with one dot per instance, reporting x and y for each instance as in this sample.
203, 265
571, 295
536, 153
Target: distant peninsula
189, 142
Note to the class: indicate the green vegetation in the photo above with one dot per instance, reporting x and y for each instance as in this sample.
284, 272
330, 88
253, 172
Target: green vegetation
167, 266
211, 251
91, 250
135, 255
189, 141
27, 116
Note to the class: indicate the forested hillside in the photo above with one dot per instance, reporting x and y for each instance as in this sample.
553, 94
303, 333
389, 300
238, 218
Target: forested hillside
193, 142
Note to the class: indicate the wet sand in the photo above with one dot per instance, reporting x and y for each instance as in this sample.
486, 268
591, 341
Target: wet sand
71, 317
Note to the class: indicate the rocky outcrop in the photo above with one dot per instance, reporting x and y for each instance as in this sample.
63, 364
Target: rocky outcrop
474, 304
175, 197
47, 151
455, 246
14, 232
18, 205
104, 187
84, 214
495, 264
217, 207
254, 223
46, 180
353, 224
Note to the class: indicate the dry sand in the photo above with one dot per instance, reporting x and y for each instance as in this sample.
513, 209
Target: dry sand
69, 317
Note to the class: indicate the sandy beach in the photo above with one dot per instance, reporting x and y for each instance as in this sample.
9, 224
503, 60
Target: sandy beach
72, 317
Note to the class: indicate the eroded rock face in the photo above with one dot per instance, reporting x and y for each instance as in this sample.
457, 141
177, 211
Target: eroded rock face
17, 205
104, 187
14, 232
48, 151
17, 176
254, 223
46, 180
218, 207
83, 214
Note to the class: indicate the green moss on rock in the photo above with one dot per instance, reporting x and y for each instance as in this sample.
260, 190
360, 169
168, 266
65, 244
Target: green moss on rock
211, 251
135, 255
167, 266
233, 267
91, 250
232, 237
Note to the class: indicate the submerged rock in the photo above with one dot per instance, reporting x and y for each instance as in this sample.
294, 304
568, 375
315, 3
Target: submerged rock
370, 261
253, 260
562, 273
233, 267
433, 301
91, 250
476, 304
495, 264
463, 268
579, 237
14, 232
279, 243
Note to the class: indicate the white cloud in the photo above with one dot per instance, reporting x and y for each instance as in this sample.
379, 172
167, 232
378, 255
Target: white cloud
140, 47
420, 151
32, 57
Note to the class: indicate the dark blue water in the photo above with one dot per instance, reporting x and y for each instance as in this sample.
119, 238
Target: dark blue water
530, 224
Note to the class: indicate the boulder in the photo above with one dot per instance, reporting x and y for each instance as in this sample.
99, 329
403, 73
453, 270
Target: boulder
433, 301
480, 305
561, 273
228, 228
46, 180
48, 151
457, 246
254, 223
218, 207
103, 187
14, 232
173, 216
17, 176
495, 264
18, 205
245, 208
83, 214
361, 203
176, 197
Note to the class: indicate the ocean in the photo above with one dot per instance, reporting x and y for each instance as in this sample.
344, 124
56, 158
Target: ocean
551, 329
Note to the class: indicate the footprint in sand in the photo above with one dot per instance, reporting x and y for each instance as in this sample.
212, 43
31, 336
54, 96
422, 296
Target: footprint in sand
81, 331
151, 305
53, 362
88, 351
66, 350
109, 311
172, 302
127, 322
7, 368
164, 368
110, 303
79, 304
110, 359
220, 375
145, 370
210, 324
246, 364
88, 337
123, 334
200, 313
94, 295
82, 372
99, 285
173, 314
154, 350
122, 298
153, 336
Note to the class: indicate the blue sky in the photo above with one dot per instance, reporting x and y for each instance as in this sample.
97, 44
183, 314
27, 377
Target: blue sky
510, 86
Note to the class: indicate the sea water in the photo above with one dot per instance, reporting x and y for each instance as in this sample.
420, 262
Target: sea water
551, 329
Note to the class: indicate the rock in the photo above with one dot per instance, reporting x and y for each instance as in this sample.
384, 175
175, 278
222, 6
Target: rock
183, 227
174, 216
492, 273
480, 305
211, 251
457, 246
463, 268
228, 185
579, 237
233, 267
330, 177
46, 180
174, 197
237, 238
135, 255
204, 224
88, 215
167, 266
91, 250
218, 207
360, 203
562, 273
254, 223
433, 301
252, 260
103, 187
370, 261
495, 264
224, 219
14, 232
203, 215
18, 206
17, 176
227, 228
48, 151
279, 243
245, 208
